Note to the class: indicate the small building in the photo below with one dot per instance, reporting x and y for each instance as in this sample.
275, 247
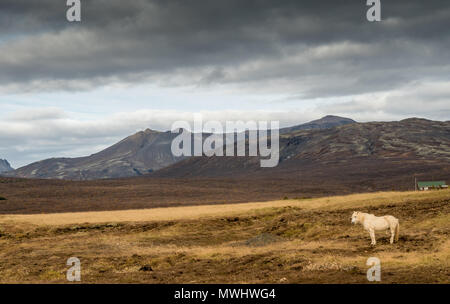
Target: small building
424, 186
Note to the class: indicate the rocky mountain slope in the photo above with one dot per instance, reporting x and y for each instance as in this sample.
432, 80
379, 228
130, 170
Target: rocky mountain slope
5, 166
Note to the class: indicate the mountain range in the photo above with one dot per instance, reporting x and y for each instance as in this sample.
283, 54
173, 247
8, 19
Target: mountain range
389, 149
314, 147
136, 155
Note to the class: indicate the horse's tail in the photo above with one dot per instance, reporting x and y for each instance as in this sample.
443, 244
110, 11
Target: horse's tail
397, 231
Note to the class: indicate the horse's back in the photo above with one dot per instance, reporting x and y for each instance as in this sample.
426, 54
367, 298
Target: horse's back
391, 218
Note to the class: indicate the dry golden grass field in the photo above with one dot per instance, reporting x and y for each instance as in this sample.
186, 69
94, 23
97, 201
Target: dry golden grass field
287, 241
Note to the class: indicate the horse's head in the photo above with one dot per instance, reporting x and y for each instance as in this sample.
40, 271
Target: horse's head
355, 217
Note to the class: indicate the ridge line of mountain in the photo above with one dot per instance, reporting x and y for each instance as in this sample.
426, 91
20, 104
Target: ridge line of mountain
331, 137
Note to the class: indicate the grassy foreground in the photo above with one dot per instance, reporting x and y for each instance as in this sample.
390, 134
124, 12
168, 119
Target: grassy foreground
288, 241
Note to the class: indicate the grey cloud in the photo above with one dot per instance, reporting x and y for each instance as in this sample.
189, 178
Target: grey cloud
430, 99
249, 43
31, 114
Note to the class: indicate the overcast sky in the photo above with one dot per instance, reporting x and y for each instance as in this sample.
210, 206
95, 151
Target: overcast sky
72, 89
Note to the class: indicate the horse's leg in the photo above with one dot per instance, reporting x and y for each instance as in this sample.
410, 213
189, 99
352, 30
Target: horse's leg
372, 236
392, 233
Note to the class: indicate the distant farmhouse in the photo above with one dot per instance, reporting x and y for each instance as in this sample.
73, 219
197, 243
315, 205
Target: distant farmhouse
424, 186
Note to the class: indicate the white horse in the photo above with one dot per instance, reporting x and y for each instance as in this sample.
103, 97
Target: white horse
372, 223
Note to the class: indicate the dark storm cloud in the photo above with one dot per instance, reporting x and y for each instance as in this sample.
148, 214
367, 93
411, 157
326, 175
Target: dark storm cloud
308, 48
